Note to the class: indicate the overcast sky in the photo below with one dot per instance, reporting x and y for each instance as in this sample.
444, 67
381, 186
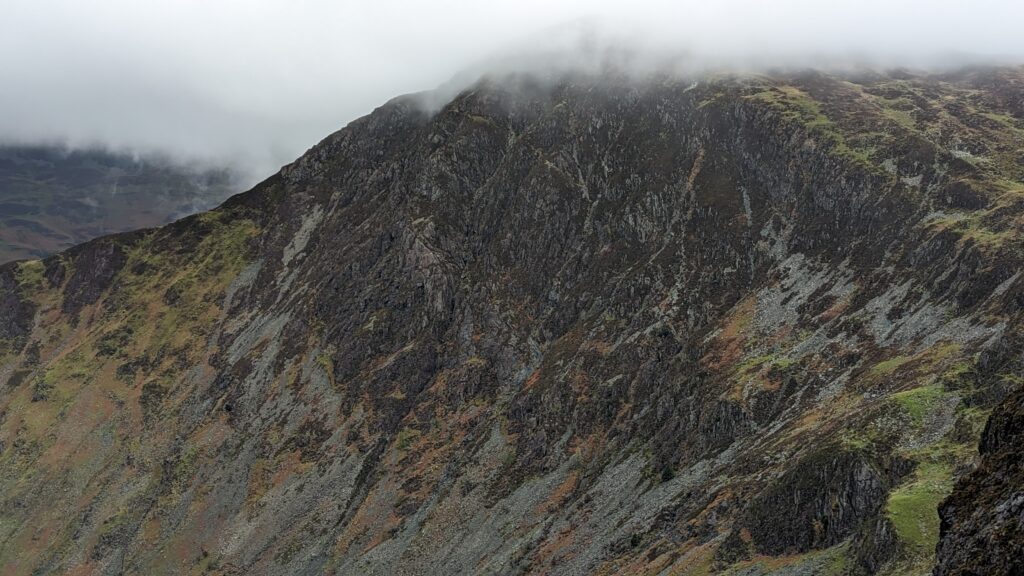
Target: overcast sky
256, 82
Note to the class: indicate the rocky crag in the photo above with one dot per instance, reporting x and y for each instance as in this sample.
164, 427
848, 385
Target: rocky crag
983, 521
718, 325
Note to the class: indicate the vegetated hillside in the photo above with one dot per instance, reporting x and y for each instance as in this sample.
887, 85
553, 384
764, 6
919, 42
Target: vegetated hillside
732, 324
52, 198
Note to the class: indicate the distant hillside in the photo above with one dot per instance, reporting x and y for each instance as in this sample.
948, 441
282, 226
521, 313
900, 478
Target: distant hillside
52, 198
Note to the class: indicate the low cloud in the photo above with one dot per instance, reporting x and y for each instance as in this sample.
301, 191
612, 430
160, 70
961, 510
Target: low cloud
253, 83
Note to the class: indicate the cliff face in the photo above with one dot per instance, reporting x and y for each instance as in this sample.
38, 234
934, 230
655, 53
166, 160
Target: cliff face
739, 324
983, 520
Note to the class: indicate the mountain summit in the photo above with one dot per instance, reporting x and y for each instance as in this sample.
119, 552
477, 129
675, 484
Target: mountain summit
735, 324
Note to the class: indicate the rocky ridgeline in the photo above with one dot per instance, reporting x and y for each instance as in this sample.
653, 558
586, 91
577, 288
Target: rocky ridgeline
739, 325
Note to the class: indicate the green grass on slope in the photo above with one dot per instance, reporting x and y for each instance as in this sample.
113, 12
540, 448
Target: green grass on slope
913, 507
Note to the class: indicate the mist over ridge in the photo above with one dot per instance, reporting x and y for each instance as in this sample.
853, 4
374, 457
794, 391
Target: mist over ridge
253, 84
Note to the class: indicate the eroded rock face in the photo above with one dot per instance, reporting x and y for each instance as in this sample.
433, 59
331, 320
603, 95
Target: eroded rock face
565, 326
820, 501
983, 521
98, 262
16, 312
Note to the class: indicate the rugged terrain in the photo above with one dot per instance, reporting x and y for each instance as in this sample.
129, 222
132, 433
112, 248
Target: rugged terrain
983, 521
729, 324
52, 198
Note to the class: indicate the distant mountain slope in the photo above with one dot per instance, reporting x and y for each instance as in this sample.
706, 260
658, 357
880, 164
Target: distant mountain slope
52, 198
736, 325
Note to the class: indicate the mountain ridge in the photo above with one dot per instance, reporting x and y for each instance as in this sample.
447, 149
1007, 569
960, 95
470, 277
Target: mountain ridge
591, 326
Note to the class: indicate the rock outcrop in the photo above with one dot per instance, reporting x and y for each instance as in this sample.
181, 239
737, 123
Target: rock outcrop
983, 520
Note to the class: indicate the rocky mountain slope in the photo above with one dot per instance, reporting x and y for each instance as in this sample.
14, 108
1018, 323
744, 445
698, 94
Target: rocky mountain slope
52, 198
724, 325
983, 521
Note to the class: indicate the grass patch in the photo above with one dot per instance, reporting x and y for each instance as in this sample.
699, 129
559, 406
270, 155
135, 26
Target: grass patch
913, 507
925, 362
970, 228
406, 436
865, 438
77, 367
30, 275
764, 362
899, 111
327, 365
958, 371
797, 106
919, 402
1005, 120
887, 367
